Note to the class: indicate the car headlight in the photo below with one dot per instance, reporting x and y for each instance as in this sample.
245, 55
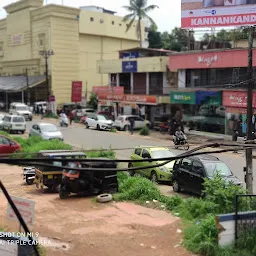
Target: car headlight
163, 169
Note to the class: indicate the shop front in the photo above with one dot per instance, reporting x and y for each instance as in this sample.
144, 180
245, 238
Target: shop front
235, 103
199, 110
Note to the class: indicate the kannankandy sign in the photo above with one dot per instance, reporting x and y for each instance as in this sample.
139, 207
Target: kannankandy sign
217, 13
26, 208
77, 91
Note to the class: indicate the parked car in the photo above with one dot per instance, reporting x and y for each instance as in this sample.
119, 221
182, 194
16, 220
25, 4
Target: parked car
99, 122
83, 119
84, 111
162, 173
8, 146
123, 123
106, 113
20, 109
1, 121
14, 123
189, 173
46, 131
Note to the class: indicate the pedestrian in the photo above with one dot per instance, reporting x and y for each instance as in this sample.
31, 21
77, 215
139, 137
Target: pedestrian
42, 113
132, 121
236, 128
70, 115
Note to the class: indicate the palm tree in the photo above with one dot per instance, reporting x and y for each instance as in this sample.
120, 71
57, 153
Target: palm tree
138, 11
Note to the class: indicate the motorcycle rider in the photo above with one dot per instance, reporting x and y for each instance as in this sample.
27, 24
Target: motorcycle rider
179, 136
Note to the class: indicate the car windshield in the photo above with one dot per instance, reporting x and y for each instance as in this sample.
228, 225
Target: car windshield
49, 128
22, 108
213, 168
102, 118
162, 153
18, 119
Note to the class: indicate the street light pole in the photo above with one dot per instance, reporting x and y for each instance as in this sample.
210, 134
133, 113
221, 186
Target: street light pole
249, 170
46, 55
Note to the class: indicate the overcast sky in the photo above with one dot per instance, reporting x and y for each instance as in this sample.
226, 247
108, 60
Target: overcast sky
167, 16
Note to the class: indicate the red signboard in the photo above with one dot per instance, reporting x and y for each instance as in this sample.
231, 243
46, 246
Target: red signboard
237, 99
113, 97
76, 91
215, 59
101, 90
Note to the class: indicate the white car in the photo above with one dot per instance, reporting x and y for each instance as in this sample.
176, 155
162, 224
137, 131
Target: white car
20, 109
221, 111
123, 122
46, 131
14, 123
1, 121
82, 112
99, 122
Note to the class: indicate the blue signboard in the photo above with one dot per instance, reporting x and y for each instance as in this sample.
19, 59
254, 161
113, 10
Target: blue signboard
208, 98
129, 66
130, 55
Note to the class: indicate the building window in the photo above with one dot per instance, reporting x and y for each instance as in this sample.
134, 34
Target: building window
101, 21
120, 24
113, 23
91, 19
41, 40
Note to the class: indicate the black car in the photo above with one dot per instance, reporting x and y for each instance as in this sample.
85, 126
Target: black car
189, 173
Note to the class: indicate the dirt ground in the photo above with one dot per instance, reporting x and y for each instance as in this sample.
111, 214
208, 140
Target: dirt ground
80, 226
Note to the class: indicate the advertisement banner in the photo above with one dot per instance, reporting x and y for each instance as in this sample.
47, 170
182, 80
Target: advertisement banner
101, 90
140, 99
208, 98
76, 91
183, 98
129, 66
237, 99
214, 59
217, 13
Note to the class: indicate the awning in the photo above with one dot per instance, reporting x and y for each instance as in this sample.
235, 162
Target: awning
19, 83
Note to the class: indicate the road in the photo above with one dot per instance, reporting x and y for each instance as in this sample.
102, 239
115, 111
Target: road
92, 139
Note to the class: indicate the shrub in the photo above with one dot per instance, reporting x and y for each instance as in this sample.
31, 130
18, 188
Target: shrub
113, 130
144, 131
171, 202
51, 115
5, 134
101, 153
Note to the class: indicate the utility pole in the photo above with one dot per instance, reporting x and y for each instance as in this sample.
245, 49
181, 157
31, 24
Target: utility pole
28, 92
249, 170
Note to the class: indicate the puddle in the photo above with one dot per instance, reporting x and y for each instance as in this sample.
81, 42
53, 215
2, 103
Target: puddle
54, 243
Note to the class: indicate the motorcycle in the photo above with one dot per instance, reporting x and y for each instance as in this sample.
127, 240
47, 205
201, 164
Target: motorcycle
181, 143
64, 121
29, 174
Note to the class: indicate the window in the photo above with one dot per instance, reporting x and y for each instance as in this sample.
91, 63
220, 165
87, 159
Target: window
137, 118
4, 141
35, 127
186, 164
101, 21
145, 154
113, 23
214, 168
91, 19
7, 118
197, 167
138, 151
18, 119
49, 128
101, 118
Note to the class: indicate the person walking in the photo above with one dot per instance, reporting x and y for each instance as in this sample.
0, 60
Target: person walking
70, 116
42, 112
132, 121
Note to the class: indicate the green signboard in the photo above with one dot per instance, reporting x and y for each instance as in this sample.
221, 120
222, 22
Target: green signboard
183, 97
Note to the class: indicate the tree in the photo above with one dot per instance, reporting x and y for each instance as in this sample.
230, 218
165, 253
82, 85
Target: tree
154, 38
138, 11
93, 101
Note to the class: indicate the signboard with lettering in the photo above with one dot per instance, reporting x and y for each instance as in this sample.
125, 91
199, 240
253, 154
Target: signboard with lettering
130, 55
208, 98
26, 208
102, 90
183, 98
76, 91
129, 66
237, 99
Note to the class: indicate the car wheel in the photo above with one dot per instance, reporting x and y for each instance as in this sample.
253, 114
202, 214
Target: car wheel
22, 132
63, 193
127, 128
98, 127
131, 173
104, 198
87, 126
176, 186
154, 177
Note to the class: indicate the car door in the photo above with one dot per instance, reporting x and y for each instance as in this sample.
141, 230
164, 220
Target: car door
136, 155
35, 130
139, 122
5, 146
184, 172
146, 155
91, 121
196, 177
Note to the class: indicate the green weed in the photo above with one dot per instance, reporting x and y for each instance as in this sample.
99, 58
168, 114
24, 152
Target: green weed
144, 131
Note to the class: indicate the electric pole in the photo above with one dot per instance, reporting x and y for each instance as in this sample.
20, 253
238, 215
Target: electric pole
249, 170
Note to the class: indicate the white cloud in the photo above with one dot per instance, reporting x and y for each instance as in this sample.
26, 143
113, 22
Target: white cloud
166, 17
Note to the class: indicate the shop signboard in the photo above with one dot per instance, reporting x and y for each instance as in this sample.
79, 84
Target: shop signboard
140, 99
76, 91
130, 55
129, 66
183, 98
102, 90
209, 98
237, 99
217, 13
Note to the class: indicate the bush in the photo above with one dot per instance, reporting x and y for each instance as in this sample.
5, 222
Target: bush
51, 115
171, 202
144, 131
101, 153
113, 130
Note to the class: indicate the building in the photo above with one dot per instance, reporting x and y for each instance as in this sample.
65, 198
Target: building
145, 79
78, 38
211, 88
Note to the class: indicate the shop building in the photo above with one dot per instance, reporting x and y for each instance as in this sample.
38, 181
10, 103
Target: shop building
78, 37
206, 80
146, 81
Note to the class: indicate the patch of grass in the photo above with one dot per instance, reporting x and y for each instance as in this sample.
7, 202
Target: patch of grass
144, 131
101, 153
5, 134
51, 115
113, 130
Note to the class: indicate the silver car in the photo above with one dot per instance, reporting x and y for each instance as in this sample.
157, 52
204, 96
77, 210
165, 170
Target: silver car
46, 131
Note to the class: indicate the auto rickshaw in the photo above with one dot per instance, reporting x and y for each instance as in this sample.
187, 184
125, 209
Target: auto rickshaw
51, 177
89, 182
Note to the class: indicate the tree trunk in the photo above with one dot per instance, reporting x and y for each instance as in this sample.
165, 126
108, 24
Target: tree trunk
140, 33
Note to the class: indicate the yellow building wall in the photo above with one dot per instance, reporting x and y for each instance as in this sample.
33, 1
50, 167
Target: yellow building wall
94, 48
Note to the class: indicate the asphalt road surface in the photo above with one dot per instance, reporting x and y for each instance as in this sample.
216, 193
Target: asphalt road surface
92, 139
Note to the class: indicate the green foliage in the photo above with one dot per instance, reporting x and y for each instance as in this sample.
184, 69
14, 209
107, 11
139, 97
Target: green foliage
113, 130
171, 202
93, 101
5, 134
101, 153
201, 237
51, 115
35, 144
144, 131
222, 194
